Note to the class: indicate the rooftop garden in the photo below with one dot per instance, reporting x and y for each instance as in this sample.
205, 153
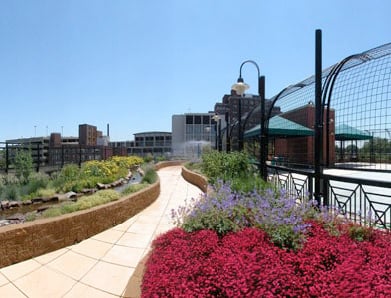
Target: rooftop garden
247, 239
26, 187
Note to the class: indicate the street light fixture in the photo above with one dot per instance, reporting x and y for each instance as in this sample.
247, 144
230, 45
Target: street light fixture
240, 87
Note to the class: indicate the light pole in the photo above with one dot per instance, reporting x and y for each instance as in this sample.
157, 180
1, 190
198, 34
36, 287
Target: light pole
240, 87
217, 119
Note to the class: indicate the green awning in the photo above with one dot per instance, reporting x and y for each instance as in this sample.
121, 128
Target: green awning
345, 132
281, 127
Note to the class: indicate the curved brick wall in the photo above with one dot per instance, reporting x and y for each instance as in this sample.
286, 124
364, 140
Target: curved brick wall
195, 179
24, 241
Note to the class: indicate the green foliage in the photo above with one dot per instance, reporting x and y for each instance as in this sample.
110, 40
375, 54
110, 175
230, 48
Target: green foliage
96, 199
31, 216
360, 233
212, 219
36, 182
150, 176
284, 236
2, 159
73, 178
68, 174
52, 212
23, 163
249, 183
194, 166
160, 158
225, 166
148, 158
133, 188
11, 192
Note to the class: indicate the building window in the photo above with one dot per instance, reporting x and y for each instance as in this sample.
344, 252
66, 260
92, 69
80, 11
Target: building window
189, 119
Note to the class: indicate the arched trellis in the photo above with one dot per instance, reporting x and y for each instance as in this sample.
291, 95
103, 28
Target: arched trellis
304, 92
350, 62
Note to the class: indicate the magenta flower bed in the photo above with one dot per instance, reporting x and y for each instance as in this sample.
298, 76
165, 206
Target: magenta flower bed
247, 264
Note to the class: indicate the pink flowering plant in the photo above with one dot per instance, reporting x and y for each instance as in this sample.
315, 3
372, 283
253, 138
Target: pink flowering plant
233, 242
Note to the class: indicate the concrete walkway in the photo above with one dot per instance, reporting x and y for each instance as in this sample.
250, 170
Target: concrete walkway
101, 266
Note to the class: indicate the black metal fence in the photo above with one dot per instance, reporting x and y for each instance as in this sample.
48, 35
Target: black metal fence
360, 199
353, 123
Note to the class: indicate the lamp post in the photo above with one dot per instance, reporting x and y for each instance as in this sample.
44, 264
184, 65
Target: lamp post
217, 120
240, 87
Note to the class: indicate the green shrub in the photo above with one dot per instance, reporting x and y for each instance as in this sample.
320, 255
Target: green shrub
150, 176
148, 158
51, 212
31, 216
23, 163
36, 182
96, 199
225, 166
360, 233
133, 188
11, 192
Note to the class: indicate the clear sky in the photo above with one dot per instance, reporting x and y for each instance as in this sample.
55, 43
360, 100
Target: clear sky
133, 64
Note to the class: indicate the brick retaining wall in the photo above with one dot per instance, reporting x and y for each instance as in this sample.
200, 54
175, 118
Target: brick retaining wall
27, 240
195, 179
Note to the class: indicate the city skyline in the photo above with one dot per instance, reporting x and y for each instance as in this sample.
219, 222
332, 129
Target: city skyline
134, 65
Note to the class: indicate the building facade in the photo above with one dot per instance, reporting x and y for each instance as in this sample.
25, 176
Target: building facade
57, 150
155, 143
193, 132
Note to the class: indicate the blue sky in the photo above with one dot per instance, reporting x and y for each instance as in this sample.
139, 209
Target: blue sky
133, 64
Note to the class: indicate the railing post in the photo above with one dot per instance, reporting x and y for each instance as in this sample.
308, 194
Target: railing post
318, 115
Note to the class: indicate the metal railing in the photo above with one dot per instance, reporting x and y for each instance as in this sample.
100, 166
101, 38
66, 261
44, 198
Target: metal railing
360, 200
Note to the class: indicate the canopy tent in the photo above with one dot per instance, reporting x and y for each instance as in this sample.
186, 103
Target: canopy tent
345, 132
281, 127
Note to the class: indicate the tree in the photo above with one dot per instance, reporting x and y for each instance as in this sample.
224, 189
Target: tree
23, 163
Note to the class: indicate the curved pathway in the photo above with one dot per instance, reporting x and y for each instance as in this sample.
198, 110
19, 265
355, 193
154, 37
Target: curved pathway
101, 266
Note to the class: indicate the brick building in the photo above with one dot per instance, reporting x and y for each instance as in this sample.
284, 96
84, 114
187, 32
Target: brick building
301, 149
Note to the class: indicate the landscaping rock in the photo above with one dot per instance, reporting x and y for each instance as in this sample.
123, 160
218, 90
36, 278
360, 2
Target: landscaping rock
27, 202
42, 208
37, 200
4, 222
101, 186
4, 204
50, 199
88, 191
14, 204
16, 217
